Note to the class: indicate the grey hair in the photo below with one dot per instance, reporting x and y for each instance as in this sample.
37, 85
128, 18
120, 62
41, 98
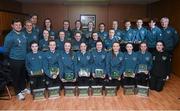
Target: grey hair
165, 18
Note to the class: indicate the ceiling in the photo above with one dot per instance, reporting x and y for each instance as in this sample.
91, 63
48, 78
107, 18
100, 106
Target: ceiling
97, 2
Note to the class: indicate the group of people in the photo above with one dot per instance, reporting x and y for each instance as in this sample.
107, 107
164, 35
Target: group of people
145, 53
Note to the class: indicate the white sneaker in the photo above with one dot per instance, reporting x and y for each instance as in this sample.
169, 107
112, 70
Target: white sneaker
26, 91
20, 96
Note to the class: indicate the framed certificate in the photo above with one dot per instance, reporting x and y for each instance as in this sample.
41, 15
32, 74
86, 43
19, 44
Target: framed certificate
54, 71
115, 75
99, 73
129, 90
142, 90
84, 73
39, 94
142, 68
69, 77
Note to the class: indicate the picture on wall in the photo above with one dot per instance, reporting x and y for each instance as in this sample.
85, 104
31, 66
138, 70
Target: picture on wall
85, 18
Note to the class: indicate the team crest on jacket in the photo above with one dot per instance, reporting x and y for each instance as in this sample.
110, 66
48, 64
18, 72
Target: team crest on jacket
154, 57
120, 58
130, 34
49, 57
164, 57
24, 36
37, 30
72, 57
142, 32
118, 33
40, 57
134, 58
19, 41
103, 56
147, 58
35, 37
79, 58
168, 31
88, 57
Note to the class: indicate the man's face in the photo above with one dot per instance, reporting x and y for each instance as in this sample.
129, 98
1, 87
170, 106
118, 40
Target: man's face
139, 23
164, 23
17, 26
115, 25
111, 33
90, 25
128, 24
34, 19
28, 26
102, 27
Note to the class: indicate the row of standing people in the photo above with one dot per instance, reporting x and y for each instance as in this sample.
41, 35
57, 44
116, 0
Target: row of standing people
15, 49
151, 34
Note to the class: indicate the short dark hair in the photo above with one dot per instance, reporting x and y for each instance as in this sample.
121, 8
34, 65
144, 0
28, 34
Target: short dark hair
127, 21
34, 42
111, 29
152, 20
66, 21
51, 41
27, 21
99, 41
45, 21
77, 21
116, 21
129, 43
61, 31
90, 22
162, 43
77, 32
102, 24
15, 20
33, 14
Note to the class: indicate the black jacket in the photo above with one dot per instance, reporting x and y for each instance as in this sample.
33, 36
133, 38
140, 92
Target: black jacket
161, 64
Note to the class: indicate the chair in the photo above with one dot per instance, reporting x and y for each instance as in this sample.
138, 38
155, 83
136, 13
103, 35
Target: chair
3, 83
